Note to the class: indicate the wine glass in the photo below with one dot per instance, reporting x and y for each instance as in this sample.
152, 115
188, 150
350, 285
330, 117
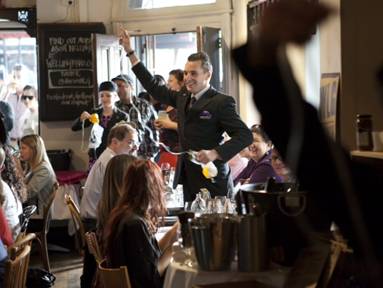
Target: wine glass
187, 206
165, 169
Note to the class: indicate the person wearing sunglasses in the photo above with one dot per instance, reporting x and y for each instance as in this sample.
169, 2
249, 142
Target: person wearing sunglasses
25, 109
29, 99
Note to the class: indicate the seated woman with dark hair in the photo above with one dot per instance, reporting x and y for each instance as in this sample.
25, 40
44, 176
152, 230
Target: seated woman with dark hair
129, 234
259, 167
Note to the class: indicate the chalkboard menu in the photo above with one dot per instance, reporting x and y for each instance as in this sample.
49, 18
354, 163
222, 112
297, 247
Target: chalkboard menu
66, 69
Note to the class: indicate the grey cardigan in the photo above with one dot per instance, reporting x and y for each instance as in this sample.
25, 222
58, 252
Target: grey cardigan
39, 185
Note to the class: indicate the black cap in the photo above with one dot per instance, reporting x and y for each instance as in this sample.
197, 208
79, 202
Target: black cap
107, 86
124, 77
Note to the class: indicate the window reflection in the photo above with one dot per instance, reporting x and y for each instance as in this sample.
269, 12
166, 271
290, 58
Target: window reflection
18, 81
150, 4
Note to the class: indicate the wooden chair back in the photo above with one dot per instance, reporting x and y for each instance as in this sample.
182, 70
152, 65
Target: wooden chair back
76, 217
21, 241
93, 247
16, 267
47, 215
41, 236
114, 277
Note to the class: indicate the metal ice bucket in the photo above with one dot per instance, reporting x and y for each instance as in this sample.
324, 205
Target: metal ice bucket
213, 238
252, 248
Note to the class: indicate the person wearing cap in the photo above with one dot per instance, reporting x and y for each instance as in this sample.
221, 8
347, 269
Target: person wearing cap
108, 114
141, 113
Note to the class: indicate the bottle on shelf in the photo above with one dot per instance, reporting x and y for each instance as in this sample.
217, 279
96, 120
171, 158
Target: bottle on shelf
364, 132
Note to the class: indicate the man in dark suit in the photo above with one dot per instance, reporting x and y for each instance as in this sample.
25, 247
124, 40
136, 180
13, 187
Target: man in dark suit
204, 114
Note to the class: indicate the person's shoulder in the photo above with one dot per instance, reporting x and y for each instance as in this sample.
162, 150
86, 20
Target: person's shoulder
134, 222
219, 95
97, 110
139, 101
6, 188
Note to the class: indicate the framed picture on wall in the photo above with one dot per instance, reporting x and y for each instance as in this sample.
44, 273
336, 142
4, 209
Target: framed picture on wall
328, 107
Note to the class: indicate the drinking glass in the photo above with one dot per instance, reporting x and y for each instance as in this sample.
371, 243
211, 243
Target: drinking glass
187, 206
165, 169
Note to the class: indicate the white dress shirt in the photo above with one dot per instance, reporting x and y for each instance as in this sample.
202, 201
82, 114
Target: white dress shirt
200, 93
12, 209
93, 185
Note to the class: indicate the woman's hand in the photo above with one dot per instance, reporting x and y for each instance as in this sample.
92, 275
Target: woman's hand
84, 115
244, 181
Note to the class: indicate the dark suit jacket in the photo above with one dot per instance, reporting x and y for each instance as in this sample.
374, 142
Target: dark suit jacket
201, 128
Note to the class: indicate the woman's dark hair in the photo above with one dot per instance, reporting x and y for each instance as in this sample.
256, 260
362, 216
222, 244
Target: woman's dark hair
112, 186
142, 195
257, 128
159, 79
178, 74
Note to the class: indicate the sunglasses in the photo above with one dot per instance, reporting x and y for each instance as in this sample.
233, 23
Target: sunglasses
25, 97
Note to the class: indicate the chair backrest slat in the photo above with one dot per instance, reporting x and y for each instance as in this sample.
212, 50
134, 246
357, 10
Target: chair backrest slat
114, 277
93, 246
16, 268
76, 217
47, 215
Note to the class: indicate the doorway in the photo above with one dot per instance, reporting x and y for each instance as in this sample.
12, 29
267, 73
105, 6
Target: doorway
19, 70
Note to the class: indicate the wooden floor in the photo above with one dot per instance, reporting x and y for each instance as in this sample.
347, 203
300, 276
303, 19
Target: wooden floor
67, 267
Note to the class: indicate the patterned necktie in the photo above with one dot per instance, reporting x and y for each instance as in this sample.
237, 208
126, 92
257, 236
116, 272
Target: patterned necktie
192, 101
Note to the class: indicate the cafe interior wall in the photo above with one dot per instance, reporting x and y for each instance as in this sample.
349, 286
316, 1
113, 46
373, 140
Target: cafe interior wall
58, 135
350, 44
361, 56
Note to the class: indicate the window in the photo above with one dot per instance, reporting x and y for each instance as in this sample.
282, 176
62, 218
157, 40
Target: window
150, 4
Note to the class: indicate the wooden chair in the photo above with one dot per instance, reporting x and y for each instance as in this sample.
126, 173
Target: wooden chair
23, 240
16, 267
24, 220
41, 236
114, 277
93, 247
79, 226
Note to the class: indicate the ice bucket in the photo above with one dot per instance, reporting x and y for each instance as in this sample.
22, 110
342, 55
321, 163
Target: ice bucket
252, 250
213, 238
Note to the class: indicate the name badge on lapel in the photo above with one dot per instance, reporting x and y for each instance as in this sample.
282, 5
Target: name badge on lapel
205, 115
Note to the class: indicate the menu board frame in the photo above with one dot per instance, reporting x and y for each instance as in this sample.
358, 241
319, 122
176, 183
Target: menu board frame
66, 69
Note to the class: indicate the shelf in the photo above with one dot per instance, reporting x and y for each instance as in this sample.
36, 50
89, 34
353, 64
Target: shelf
368, 154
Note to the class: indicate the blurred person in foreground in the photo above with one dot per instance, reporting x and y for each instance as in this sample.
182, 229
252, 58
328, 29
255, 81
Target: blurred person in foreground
342, 189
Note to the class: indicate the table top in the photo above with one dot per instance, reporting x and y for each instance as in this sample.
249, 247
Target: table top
183, 272
369, 154
70, 177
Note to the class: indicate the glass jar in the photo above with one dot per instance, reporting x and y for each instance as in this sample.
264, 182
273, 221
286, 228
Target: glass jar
364, 132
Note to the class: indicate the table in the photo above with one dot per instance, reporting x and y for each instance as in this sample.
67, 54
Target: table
181, 275
69, 183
